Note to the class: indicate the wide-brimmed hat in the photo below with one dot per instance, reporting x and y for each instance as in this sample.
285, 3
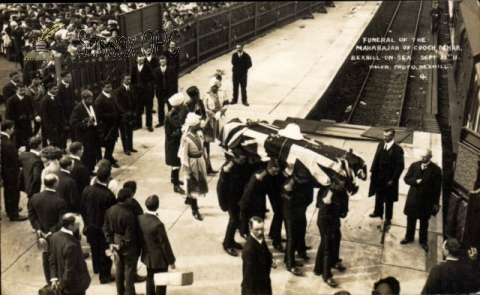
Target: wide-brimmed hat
176, 99
193, 119
292, 131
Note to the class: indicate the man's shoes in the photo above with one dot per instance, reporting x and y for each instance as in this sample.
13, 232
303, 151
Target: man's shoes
388, 222
150, 129
135, 128
197, 215
158, 125
373, 215
237, 246
86, 255
279, 247
245, 104
233, 102
340, 266
115, 165
178, 190
212, 172
230, 251
114, 160
405, 241
317, 274
18, 217
425, 246
154, 111
295, 271
107, 280
331, 282
304, 256
127, 153
180, 182
308, 248
133, 151
139, 279
298, 264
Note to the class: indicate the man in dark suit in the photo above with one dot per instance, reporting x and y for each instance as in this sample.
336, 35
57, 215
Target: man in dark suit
257, 261
453, 276
53, 122
173, 57
157, 252
66, 96
19, 108
143, 82
241, 62
387, 166
96, 200
10, 172
32, 167
67, 187
68, 269
79, 172
166, 85
45, 213
119, 230
425, 180
127, 100
234, 176
151, 60
10, 89
85, 123
109, 115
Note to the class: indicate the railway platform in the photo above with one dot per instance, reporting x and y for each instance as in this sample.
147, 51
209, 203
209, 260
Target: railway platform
292, 67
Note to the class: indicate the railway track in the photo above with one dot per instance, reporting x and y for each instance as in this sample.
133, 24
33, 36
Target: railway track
380, 101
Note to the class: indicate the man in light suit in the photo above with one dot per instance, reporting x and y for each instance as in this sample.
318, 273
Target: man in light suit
157, 252
425, 180
257, 261
387, 166
68, 269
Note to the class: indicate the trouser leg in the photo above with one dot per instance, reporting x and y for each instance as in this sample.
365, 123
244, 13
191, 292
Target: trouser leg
378, 205
424, 230
337, 237
130, 261
161, 110
276, 225
233, 212
243, 86
120, 275
388, 210
290, 247
46, 266
148, 111
109, 148
11, 196
124, 137
236, 84
411, 224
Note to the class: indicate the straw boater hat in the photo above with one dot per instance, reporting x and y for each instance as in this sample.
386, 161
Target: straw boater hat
192, 119
176, 99
292, 131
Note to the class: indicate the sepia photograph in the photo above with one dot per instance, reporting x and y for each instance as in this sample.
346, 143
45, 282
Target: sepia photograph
253, 148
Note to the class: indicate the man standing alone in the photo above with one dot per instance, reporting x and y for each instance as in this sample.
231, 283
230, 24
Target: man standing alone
241, 62
425, 180
386, 169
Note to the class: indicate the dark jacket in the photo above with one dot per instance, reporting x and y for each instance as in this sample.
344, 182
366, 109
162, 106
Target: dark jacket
257, 261
52, 116
156, 249
119, 228
66, 97
173, 60
96, 200
144, 81
231, 185
296, 201
68, 191
166, 84
390, 171
67, 263
108, 113
20, 111
421, 197
8, 91
127, 101
10, 169
241, 64
86, 135
81, 175
451, 277
45, 211
31, 179
174, 121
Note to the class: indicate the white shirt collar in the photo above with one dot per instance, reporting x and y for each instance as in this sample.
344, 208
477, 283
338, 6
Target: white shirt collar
5, 133
151, 212
64, 170
149, 58
66, 84
20, 97
35, 152
126, 86
75, 157
51, 95
67, 231
389, 144
50, 190
106, 94
140, 67
259, 241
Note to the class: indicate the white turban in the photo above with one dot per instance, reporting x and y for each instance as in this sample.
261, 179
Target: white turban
176, 99
214, 81
192, 119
